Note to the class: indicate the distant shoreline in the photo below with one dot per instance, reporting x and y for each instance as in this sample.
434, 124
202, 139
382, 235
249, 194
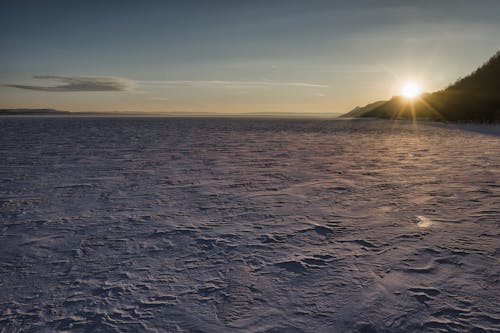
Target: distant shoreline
57, 113
51, 113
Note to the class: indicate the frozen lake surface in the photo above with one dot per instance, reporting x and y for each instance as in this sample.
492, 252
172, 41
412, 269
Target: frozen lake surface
220, 225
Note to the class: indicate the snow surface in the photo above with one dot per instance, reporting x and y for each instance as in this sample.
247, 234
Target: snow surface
220, 225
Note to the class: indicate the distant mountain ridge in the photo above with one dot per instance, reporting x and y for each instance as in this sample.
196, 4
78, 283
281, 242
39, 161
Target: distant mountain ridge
475, 97
31, 111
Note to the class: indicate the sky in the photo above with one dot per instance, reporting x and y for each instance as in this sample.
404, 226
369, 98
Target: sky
230, 57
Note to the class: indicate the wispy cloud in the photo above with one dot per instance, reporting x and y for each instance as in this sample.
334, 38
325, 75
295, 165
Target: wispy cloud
97, 83
79, 83
234, 84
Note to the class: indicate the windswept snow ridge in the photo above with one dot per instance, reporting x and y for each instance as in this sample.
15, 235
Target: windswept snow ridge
220, 225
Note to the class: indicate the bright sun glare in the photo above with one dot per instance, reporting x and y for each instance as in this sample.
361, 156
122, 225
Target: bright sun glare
410, 89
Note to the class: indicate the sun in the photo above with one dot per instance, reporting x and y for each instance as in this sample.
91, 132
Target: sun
410, 89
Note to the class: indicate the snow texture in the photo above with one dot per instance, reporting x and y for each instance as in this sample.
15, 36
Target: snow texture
240, 225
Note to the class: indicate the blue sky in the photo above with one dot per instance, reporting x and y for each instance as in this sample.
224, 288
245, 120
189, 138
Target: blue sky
235, 56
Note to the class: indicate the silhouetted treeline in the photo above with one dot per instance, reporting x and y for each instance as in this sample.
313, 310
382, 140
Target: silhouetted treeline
475, 97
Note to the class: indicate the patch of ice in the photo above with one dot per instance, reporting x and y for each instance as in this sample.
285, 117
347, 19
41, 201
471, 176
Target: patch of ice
423, 222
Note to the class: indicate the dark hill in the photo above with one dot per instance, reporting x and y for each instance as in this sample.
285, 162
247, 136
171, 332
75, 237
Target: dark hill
359, 111
475, 97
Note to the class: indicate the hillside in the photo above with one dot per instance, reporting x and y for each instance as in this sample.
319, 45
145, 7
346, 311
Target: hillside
475, 97
359, 111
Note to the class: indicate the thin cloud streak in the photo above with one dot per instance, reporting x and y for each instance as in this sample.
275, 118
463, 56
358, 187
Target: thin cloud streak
79, 83
231, 84
96, 83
